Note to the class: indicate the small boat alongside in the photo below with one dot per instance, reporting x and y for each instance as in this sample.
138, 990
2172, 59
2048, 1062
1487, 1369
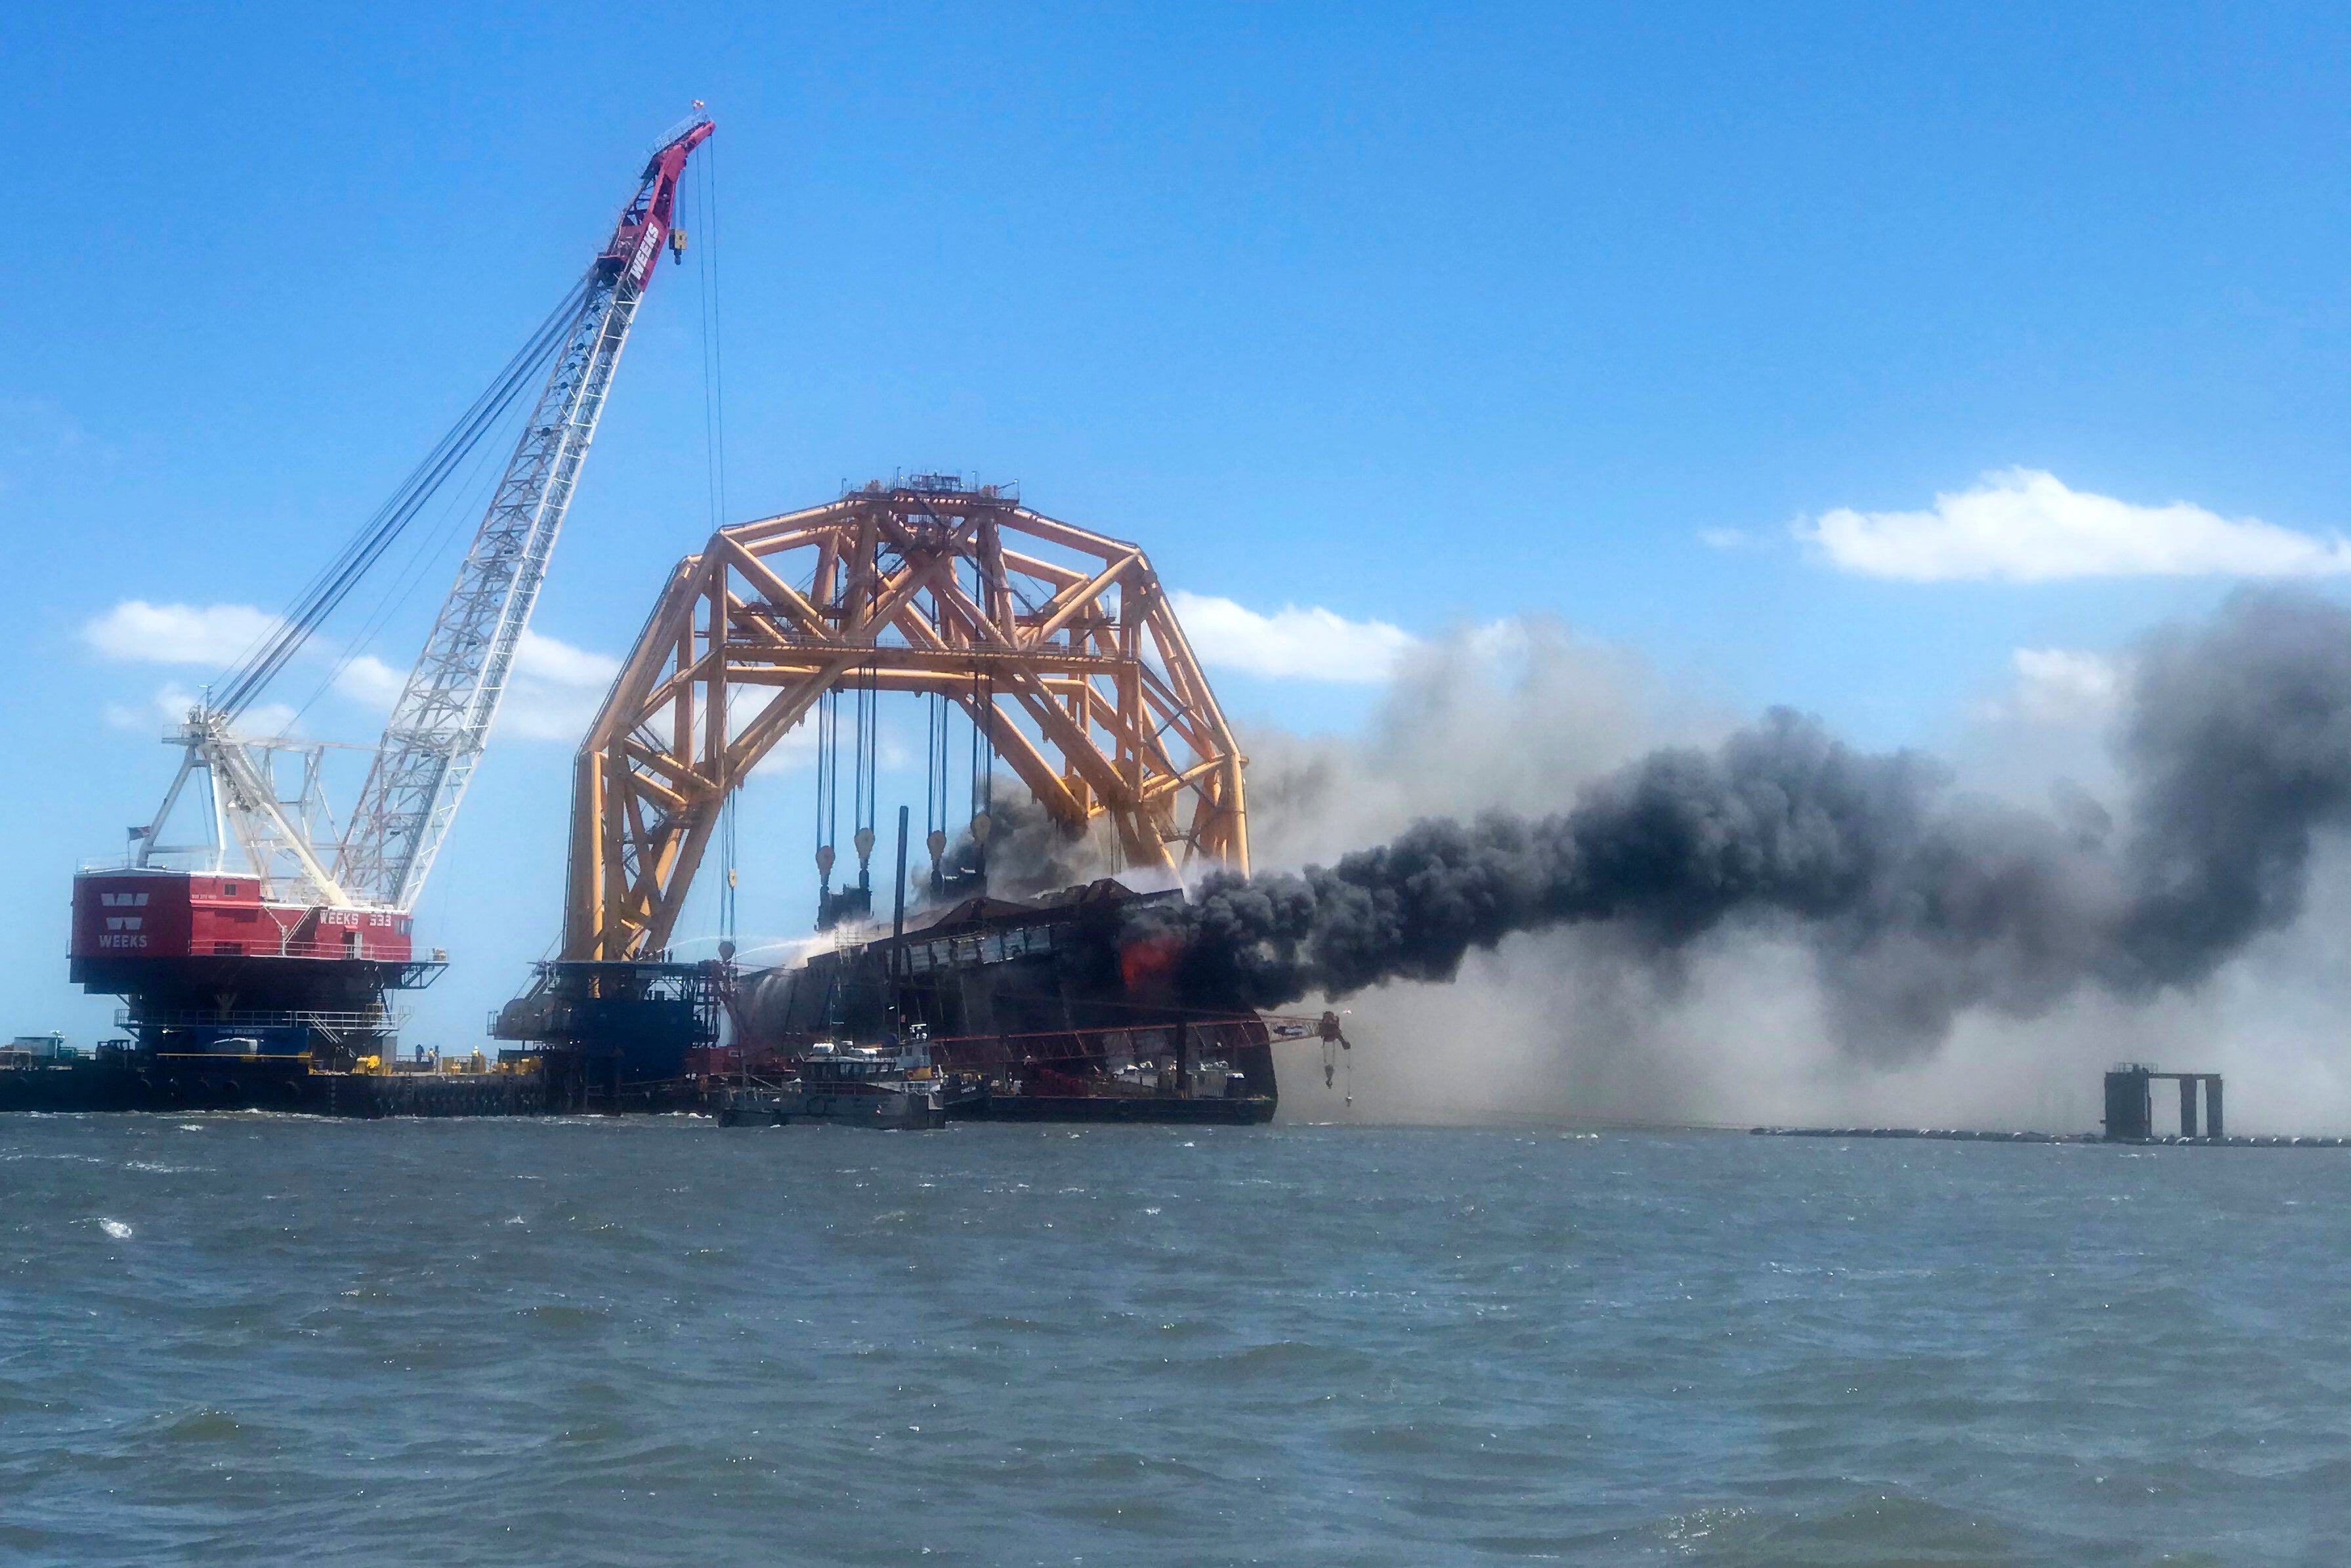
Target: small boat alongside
886, 1087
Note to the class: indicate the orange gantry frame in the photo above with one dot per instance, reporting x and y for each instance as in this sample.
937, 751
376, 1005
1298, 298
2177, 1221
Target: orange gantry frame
1058, 642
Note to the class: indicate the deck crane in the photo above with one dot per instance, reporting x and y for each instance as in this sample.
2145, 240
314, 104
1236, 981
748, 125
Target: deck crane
313, 925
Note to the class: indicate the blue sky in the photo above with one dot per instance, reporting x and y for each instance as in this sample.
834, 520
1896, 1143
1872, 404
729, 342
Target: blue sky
1423, 316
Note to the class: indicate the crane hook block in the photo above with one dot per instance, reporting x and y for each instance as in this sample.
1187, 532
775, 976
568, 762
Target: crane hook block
677, 246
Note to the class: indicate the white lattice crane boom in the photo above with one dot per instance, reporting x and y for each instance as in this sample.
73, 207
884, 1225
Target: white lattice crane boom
442, 722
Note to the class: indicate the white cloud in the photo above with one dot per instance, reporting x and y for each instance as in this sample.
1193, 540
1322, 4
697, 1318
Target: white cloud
169, 707
1728, 538
2025, 526
2066, 685
542, 658
554, 690
1312, 644
794, 750
264, 720
167, 710
218, 634
369, 682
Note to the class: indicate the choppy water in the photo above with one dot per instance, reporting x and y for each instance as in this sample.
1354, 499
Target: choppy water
241, 1339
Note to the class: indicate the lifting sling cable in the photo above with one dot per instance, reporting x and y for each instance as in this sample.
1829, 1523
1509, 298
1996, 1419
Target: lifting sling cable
828, 764
714, 447
868, 761
714, 371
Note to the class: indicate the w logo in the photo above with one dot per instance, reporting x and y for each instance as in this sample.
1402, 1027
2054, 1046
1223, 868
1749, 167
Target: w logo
123, 922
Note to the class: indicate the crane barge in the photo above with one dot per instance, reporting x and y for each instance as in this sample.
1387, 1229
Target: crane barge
256, 965
258, 961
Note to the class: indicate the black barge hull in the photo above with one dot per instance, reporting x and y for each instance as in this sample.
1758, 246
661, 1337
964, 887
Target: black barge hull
87, 1086
1250, 1111
264, 1086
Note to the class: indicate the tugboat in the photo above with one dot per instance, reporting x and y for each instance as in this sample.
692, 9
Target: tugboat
892, 1086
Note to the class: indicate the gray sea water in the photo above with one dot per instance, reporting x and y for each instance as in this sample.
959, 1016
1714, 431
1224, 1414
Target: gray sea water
247, 1339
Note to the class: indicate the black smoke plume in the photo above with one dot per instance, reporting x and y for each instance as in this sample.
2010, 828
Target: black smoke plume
1916, 902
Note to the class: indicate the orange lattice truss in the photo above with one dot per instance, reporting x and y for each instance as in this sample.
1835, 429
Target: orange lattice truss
1058, 641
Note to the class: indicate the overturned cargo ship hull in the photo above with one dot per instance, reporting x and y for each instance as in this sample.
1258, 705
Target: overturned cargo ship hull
1051, 1009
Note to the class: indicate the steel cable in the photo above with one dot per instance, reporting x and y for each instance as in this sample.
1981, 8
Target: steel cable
328, 590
